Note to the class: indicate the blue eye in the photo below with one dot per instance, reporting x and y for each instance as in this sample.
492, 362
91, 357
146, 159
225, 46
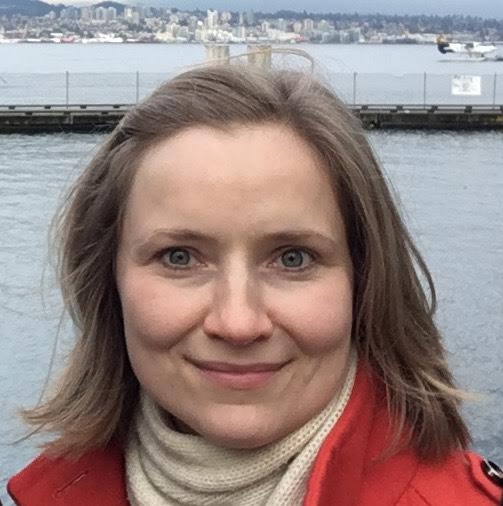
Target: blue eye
295, 258
176, 257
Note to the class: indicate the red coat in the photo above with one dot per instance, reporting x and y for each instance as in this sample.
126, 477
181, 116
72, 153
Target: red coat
345, 472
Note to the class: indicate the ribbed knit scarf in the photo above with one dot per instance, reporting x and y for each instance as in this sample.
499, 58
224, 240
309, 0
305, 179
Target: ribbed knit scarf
165, 467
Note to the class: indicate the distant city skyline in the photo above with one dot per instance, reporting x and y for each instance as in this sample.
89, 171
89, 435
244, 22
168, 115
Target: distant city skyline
482, 8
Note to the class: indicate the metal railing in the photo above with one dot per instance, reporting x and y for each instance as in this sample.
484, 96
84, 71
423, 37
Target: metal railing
354, 88
424, 89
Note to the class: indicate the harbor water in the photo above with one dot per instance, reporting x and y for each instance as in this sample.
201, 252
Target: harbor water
450, 188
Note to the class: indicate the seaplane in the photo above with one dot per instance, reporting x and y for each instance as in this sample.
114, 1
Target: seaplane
476, 51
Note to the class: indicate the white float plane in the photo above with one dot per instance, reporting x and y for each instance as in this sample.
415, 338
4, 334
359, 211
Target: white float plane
474, 50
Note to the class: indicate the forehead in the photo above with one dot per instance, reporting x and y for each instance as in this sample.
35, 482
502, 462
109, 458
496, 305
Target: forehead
247, 143
259, 172
241, 156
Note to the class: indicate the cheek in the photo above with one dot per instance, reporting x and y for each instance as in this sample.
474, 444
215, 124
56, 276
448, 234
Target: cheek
320, 320
154, 313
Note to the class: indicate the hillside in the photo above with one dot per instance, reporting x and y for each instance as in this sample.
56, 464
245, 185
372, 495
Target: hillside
27, 8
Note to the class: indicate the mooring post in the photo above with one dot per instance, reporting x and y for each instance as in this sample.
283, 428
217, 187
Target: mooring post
67, 76
424, 89
217, 53
354, 87
260, 55
495, 84
137, 86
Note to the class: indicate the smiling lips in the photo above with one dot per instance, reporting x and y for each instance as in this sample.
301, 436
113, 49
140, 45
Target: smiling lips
238, 376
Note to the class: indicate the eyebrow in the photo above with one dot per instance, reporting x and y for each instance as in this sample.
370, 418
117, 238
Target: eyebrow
180, 235
284, 236
296, 236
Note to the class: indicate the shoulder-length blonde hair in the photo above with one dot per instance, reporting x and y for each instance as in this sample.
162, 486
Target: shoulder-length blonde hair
393, 328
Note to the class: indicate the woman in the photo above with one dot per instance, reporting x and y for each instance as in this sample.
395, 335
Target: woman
252, 326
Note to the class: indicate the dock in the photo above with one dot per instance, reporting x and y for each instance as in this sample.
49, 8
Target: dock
96, 118
430, 117
78, 118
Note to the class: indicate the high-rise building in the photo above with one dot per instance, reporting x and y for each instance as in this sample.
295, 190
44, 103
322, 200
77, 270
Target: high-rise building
140, 9
131, 15
69, 13
225, 17
250, 18
111, 14
100, 14
212, 19
308, 25
86, 13
183, 32
355, 34
325, 26
198, 35
240, 32
173, 29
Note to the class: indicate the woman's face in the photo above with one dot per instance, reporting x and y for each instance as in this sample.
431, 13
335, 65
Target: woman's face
236, 283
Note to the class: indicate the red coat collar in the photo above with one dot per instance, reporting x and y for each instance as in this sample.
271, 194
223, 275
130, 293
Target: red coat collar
354, 447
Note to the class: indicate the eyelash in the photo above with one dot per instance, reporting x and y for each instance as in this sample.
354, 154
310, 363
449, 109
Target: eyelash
282, 251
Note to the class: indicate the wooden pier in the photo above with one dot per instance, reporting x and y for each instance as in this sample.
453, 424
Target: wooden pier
92, 118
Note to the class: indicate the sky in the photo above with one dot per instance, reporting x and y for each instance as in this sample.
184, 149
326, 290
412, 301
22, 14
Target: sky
483, 8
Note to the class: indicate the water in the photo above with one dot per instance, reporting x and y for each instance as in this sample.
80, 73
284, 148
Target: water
165, 58
105, 73
450, 186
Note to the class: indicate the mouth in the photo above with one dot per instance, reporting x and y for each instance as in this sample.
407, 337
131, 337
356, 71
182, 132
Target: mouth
238, 376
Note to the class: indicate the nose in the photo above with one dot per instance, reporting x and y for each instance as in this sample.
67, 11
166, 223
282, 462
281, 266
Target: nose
237, 312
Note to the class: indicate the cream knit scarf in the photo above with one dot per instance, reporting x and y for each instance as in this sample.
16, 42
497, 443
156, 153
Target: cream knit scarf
165, 467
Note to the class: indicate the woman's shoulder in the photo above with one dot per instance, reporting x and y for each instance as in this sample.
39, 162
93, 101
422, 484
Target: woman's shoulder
95, 478
464, 478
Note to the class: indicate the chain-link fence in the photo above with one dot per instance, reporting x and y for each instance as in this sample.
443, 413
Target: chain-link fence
355, 88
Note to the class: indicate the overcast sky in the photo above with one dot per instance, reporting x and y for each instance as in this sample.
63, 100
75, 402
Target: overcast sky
483, 8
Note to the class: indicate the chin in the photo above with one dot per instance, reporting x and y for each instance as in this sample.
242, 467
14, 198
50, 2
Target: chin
239, 427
